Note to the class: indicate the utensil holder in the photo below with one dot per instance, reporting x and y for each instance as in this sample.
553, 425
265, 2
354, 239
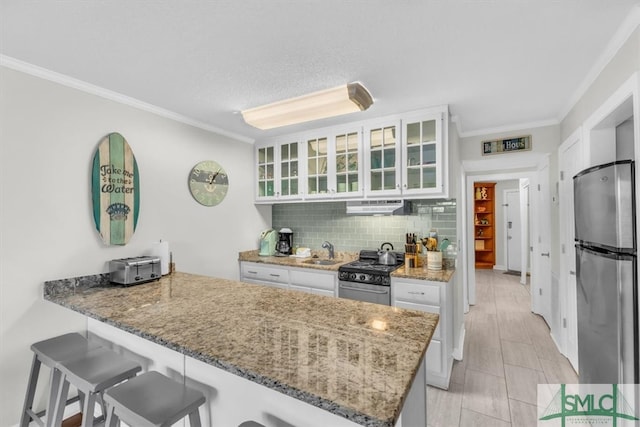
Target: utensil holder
434, 260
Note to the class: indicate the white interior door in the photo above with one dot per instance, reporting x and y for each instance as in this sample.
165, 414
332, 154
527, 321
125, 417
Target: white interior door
513, 230
541, 286
570, 163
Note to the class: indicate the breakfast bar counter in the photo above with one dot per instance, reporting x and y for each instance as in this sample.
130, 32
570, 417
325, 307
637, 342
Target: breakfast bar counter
358, 363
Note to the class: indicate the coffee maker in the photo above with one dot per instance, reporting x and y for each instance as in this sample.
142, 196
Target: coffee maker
285, 242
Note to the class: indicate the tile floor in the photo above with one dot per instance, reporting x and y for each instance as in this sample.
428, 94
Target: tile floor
507, 352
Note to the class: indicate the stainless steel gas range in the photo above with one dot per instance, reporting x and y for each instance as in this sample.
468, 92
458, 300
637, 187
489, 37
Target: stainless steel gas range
366, 279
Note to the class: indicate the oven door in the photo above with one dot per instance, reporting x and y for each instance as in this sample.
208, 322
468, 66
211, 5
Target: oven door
376, 294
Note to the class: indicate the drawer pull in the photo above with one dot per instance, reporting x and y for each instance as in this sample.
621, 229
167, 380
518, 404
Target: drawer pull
252, 272
274, 275
416, 293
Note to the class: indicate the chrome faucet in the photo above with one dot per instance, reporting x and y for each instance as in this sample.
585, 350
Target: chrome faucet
328, 246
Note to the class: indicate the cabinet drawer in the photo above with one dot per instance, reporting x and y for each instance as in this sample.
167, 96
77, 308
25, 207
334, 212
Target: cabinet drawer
264, 273
434, 357
418, 293
425, 308
313, 280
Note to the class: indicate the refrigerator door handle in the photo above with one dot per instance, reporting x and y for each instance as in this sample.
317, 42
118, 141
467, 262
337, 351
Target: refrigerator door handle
579, 254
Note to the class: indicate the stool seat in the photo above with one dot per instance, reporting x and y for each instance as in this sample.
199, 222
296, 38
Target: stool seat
98, 369
50, 352
152, 400
61, 348
92, 372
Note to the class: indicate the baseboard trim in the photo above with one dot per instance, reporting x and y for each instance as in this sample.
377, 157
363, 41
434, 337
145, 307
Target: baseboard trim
458, 350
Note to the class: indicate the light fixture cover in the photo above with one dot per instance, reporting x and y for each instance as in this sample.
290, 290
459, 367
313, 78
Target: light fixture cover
348, 98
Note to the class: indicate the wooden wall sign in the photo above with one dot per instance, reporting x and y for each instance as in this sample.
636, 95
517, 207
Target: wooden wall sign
508, 145
115, 188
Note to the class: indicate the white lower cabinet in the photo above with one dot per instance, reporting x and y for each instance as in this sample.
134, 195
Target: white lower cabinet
430, 297
308, 280
314, 282
251, 272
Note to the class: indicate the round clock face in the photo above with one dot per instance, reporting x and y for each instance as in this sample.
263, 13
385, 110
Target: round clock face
208, 183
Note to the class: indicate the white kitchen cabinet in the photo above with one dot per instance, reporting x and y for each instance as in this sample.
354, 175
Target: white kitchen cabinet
278, 171
314, 281
403, 155
431, 297
264, 274
382, 144
333, 166
425, 168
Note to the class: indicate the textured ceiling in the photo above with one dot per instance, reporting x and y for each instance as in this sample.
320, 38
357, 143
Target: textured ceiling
497, 63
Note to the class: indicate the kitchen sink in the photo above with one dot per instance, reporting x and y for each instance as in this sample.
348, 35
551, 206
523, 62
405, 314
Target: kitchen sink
321, 261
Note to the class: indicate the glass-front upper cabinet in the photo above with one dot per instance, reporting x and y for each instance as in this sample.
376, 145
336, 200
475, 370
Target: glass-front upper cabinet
278, 167
289, 170
382, 148
265, 159
333, 163
423, 154
348, 161
317, 167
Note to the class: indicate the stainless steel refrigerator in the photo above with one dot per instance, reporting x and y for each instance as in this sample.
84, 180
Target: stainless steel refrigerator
607, 291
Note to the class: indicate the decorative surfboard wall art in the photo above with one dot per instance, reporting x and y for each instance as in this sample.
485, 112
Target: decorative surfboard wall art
115, 189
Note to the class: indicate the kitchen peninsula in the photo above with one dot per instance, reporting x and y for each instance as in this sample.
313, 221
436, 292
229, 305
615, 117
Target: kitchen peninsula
274, 356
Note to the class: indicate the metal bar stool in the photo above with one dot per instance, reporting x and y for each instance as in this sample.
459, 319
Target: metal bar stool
91, 372
152, 400
50, 352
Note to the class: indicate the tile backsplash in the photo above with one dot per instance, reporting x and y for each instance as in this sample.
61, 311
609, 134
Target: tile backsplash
313, 223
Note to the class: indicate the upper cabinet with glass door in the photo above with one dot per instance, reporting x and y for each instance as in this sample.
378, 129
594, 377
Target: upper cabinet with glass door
278, 172
424, 166
382, 154
334, 164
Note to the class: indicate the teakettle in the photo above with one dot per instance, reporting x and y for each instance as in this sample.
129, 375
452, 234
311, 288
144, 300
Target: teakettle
386, 257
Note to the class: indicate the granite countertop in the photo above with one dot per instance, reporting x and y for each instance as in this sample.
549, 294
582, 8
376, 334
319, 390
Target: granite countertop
354, 359
343, 258
288, 261
422, 274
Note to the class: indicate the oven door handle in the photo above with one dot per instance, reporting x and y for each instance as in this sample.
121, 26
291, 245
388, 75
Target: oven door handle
363, 290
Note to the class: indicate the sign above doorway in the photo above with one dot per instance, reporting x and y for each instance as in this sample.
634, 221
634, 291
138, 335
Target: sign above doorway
507, 145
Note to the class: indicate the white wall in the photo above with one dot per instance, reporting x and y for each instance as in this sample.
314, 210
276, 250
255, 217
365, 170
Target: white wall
48, 135
625, 62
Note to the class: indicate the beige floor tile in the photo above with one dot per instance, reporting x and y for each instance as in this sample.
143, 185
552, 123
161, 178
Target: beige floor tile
522, 383
474, 419
523, 414
443, 407
486, 394
507, 351
458, 370
520, 354
559, 370
485, 358
512, 326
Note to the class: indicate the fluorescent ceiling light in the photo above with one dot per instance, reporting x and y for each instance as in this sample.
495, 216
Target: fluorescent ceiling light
348, 98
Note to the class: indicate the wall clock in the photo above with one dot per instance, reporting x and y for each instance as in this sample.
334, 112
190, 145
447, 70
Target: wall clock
208, 183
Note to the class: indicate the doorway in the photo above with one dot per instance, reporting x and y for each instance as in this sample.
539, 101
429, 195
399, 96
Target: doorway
513, 231
530, 167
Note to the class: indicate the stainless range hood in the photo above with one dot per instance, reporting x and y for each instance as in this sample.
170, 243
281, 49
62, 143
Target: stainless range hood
379, 207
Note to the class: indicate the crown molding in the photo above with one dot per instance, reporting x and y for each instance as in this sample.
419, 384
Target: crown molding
43, 73
625, 30
504, 129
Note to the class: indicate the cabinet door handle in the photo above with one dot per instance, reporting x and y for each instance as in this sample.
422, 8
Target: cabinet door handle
416, 293
252, 272
274, 275
545, 254
571, 272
